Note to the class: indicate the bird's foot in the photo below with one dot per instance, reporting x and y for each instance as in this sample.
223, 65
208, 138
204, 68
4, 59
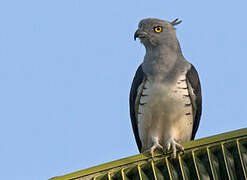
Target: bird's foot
172, 144
154, 147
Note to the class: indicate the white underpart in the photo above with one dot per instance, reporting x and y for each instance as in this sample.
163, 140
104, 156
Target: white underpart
164, 112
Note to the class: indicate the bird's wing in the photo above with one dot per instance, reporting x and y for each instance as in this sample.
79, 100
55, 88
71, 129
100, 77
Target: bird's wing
134, 98
196, 97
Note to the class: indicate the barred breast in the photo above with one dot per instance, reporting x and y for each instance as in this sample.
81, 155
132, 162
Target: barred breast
164, 110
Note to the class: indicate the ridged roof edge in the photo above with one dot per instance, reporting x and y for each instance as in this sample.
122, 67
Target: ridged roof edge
144, 156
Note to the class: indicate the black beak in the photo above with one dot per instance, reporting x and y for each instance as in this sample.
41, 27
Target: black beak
140, 34
137, 33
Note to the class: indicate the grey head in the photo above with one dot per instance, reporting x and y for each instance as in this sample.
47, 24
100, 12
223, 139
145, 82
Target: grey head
155, 32
163, 58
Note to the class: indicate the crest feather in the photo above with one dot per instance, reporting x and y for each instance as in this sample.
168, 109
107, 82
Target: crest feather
176, 22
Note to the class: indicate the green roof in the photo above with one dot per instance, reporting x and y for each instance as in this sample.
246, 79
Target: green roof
222, 156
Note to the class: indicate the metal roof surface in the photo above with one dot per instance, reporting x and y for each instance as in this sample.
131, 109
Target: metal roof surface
221, 156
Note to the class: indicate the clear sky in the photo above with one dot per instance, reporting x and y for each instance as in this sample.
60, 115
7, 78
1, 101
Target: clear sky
66, 67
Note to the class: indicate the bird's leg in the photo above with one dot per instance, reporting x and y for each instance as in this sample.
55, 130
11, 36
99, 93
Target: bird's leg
171, 143
156, 145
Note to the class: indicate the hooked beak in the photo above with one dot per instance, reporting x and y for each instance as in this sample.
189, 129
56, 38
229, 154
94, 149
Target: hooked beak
139, 34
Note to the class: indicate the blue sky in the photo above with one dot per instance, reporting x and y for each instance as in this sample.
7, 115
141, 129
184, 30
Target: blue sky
66, 68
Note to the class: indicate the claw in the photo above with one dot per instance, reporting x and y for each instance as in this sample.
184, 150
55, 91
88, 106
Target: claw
174, 151
154, 147
168, 146
175, 147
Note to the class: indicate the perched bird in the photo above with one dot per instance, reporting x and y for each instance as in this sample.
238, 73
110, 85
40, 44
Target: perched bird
165, 96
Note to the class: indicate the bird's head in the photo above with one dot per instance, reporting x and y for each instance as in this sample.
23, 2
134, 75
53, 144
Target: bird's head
155, 32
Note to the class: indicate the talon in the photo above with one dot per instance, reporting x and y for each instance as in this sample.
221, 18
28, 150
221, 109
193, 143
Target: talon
154, 147
174, 151
152, 151
168, 146
175, 147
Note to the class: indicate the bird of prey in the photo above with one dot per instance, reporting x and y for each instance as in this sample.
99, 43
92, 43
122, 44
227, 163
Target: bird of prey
165, 96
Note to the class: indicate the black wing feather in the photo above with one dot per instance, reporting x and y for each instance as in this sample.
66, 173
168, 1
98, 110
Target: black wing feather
193, 78
139, 76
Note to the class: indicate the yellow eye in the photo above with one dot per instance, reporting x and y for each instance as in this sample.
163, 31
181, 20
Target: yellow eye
158, 29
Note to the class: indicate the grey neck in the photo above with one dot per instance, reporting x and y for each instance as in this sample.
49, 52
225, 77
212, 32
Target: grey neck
159, 61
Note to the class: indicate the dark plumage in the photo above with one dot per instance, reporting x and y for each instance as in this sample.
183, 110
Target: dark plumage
193, 79
133, 92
